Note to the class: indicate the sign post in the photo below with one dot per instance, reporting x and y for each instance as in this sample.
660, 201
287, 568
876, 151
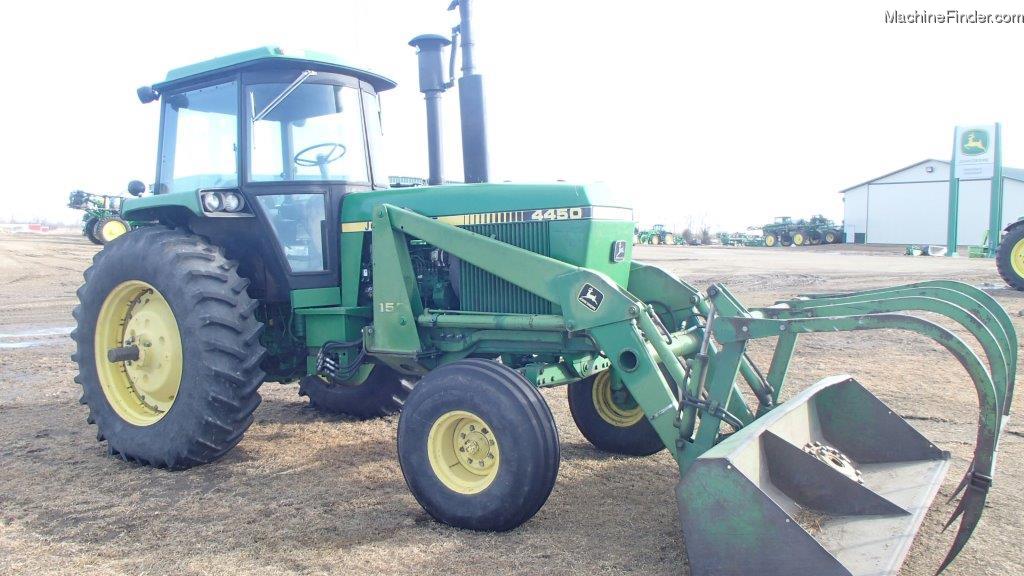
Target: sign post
977, 155
995, 217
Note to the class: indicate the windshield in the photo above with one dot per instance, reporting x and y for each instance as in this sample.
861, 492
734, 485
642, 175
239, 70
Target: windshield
200, 139
314, 133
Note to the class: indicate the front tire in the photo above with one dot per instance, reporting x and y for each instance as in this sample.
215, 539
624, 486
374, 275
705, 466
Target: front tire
770, 240
611, 425
478, 446
383, 392
189, 393
1010, 258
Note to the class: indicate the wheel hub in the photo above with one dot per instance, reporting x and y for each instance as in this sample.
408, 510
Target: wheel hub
142, 390
617, 407
463, 452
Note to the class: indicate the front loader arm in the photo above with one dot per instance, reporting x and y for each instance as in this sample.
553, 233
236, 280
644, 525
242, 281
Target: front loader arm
636, 330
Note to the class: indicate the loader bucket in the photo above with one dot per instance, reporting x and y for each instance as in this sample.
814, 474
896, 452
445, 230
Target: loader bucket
831, 482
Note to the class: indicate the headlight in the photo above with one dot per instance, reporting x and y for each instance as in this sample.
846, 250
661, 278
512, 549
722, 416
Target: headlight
233, 201
212, 202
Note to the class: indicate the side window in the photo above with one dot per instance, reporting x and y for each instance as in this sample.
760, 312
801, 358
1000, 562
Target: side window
297, 220
200, 139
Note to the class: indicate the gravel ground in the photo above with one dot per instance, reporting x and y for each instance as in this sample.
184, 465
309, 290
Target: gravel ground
311, 494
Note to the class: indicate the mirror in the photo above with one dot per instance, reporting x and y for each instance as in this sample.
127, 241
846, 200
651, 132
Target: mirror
136, 188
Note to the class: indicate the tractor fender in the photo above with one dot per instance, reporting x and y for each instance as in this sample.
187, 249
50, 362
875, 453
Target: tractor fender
177, 207
1013, 225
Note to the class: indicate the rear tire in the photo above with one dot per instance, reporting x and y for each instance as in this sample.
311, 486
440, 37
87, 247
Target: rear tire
383, 392
205, 329
1010, 258
770, 240
510, 453
110, 228
799, 238
830, 237
608, 425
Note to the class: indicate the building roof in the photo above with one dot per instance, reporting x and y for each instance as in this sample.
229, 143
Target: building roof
270, 55
1011, 173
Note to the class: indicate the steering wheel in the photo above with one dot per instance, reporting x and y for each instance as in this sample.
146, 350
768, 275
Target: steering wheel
335, 152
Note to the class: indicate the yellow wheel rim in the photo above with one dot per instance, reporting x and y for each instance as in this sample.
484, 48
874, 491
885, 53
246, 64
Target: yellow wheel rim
610, 411
798, 239
463, 452
670, 239
136, 314
769, 240
1017, 258
112, 230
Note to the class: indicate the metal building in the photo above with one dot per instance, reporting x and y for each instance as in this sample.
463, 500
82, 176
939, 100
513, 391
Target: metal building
910, 206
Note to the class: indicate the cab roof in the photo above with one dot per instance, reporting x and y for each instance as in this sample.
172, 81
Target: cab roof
274, 56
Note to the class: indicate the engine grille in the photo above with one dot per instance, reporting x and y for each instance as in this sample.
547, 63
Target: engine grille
484, 292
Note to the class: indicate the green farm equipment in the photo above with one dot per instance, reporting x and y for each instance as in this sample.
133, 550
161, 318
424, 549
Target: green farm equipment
816, 230
102, 221
740, 239
457, 303
657, 235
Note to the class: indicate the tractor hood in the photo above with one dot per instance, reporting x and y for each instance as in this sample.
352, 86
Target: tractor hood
490, 203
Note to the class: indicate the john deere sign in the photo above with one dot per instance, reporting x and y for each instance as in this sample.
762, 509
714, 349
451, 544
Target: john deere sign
974, 142
974, 159
976, 156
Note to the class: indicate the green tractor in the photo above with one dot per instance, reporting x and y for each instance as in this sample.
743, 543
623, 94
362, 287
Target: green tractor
102, 221
658, 235
816, 230
280, 253
778, 232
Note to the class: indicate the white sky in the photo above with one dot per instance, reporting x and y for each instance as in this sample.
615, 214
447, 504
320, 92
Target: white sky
725, 112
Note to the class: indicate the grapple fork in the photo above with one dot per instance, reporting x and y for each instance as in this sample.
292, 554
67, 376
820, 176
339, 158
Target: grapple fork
832, 481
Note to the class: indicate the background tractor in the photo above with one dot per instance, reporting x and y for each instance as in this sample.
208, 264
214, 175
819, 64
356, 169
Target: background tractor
284, 255
102, 221
656, 235
816, 230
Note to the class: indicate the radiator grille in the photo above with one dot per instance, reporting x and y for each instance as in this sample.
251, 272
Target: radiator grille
484, 292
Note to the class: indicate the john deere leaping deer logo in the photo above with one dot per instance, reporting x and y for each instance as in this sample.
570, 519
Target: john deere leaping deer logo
974, 142
590, 297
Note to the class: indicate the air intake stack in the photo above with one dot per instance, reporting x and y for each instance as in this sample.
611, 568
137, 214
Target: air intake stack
432, 84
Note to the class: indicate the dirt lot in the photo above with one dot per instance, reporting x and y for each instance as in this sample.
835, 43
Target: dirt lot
312, 494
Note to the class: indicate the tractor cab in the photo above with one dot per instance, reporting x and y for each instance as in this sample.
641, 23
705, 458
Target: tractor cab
273, 135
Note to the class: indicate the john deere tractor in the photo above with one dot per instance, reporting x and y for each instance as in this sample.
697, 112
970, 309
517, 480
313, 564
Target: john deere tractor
276, 252
657, 235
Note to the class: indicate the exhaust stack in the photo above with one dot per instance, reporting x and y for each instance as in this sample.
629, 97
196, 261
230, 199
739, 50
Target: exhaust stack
432, 84
471, 102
